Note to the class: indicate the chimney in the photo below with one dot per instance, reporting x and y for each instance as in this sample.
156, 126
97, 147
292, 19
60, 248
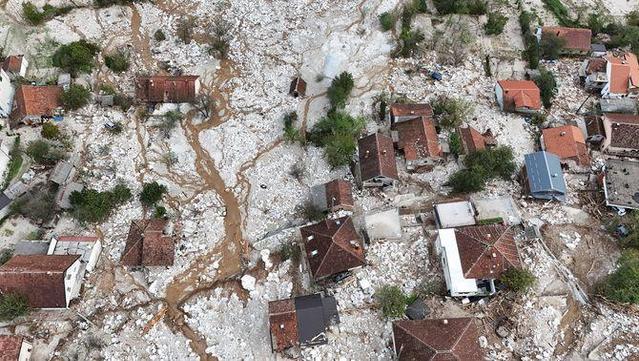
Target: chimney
494, 255
562, 134
445, 321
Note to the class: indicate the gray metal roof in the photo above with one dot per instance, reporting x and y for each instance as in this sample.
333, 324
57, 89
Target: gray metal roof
618, 105
61, 172
31, 247
314, 314
318, 196
4, 200
598, 47
545, 177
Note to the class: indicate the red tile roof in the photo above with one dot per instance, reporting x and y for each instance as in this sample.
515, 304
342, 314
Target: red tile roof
35, 100
334, 246
575, 38
40, 278
10, 347
520, 94
298, 87
472, 140
283, 324
418, 138
377, 157
486, 251
13, 63
624, 72
437, 339
166, 89
568, 143
596, 65
147, 245
417, 110
339, 194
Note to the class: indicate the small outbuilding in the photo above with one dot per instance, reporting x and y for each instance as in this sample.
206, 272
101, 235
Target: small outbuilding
167, 89
149, 243
401, 112
297, 88
333, 196
15, 348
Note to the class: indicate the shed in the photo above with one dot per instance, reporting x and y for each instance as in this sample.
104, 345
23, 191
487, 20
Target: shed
298, 88
543, 176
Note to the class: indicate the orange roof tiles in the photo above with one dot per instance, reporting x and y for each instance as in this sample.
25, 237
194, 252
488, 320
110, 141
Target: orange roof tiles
401, 110
575, 38
13, 63
520, 94
339, 194
471, 139
35, 100
166, 89
418, 138
283, 323
624, 72
567, 142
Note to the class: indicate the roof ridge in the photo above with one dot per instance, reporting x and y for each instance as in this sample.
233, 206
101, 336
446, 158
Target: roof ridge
417, 338
461, 334
323, 259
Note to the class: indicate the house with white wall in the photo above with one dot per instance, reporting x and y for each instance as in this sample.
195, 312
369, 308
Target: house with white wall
474, 257
6, 94
15, 348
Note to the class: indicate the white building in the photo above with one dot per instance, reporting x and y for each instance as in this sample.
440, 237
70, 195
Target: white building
454, 214
474, 257
6, 94
87, 247
15, 348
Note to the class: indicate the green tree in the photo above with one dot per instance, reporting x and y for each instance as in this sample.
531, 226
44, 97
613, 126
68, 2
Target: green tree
152, 193
337, 133
75, 97
13, 305
42, 152
518, 279
482, 166
392, 301
451, 112
291, 133
623, 284
454, 142
340, 90
76, 57
50, 131
467, 181
93, 206
159, 35
31, 13
547, 86
495, 24
118, 62
551, 45
169, 122
5, 255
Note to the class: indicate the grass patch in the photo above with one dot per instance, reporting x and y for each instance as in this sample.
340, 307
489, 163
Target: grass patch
15, 163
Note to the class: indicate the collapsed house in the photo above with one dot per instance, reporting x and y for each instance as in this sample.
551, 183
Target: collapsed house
333, 196
401, 112
473, 141
332, 247
377, 164
417, 139
454, 214
474, 257
518, 96
149, 244
568, 143
297, 88
47, 281
167, 89
436, 339
87, 247
301, 321
621, 133
577, 41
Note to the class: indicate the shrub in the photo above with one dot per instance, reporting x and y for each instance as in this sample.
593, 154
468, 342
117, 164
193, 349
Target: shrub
387, 21
551, 45
290, 251
36, 205
454, 142
15, 162
560, 12
518, 279
93, 206
5, 255
340, 90
312, 213
547, 86
337, 133
392, 300
409, 41
169, 122
160, 212
159, 35
36, 17
123, 101
13, 305
291, 134
466, 181
107, 3
42, 152
470, 7
420, 6
75, 57
152, 193
184, 30
623, 284
220, 39
75, 97
451, 112
117, 62
495, 24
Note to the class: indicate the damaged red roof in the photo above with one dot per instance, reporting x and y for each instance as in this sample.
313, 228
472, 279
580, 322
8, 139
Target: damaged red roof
377, 157
283, 323
417, 110
36, 100
472, 140
332, 246
575, 38
10, 347
418, 138
166, 89
437, 339
339, 194
13, 63
486, 251
147, 245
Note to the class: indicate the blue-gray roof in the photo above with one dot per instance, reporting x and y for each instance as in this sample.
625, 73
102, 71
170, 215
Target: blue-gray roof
545, 178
